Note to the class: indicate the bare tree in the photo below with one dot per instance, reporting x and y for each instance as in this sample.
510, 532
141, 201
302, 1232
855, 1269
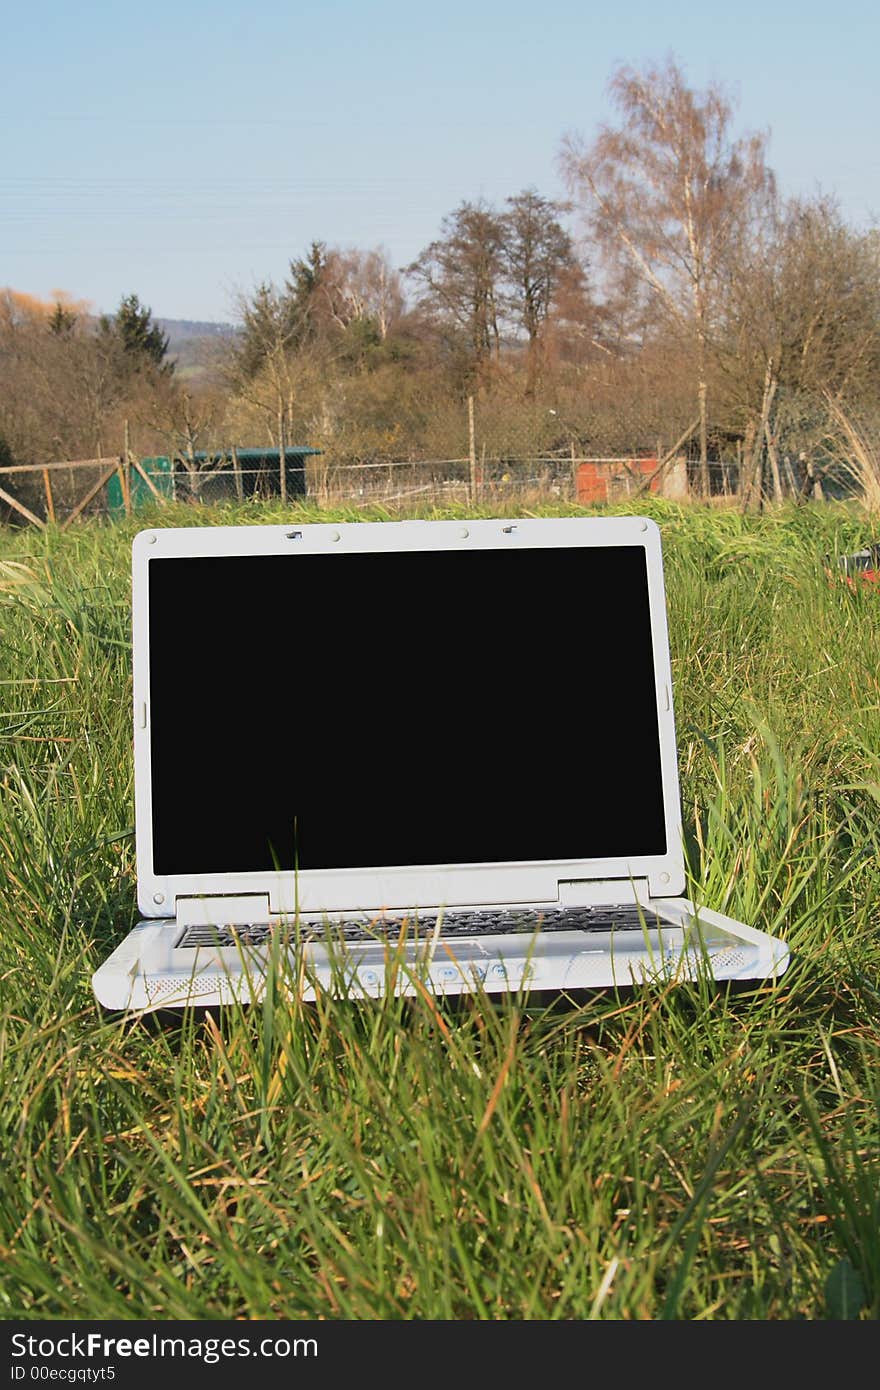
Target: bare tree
667, 194
460, 274
265, 369
828, 302
576, 330
801, 322
362, 286
190, 421
65, 385
539, 260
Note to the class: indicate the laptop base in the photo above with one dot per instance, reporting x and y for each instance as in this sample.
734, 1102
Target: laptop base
673, 942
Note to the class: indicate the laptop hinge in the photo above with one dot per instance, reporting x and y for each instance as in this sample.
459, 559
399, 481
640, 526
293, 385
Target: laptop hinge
240, 911
585, 892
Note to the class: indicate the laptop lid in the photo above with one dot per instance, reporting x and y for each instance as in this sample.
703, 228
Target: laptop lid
373, 715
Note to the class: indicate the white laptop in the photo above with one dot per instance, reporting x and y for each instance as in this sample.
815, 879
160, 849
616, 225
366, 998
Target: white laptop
408, 755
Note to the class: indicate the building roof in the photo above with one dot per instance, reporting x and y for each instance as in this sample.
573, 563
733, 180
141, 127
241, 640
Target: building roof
290, 451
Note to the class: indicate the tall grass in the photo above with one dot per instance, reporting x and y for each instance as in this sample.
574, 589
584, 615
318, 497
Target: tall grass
670, 1152
858, 459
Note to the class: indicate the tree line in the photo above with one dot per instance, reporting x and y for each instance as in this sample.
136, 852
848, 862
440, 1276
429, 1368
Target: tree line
675, 291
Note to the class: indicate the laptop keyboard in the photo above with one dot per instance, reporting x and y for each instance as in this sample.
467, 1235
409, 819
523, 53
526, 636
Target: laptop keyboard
453, 925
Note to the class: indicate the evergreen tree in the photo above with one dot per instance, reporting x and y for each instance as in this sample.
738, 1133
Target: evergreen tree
61, 320
266, 329
141, 339
302, 301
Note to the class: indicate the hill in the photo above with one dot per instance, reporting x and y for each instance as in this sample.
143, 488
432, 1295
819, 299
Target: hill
195, 344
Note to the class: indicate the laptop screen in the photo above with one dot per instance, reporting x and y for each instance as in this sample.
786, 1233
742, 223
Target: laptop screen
319, 711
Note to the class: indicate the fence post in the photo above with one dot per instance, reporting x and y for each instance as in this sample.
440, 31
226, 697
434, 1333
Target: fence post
472, 450
125, 474
123, 487
282, 456
236, 468
50, 501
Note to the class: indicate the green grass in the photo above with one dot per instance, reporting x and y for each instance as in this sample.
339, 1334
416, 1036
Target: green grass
687, 1152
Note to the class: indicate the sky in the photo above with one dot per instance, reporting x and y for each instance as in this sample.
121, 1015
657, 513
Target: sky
187, 150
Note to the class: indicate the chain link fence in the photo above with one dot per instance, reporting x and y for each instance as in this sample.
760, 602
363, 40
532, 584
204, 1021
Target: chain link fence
500, 458
60, 493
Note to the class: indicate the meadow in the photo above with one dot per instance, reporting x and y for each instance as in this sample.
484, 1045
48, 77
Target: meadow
685, 1151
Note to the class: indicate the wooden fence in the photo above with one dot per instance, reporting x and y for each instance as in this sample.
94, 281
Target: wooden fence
104, 468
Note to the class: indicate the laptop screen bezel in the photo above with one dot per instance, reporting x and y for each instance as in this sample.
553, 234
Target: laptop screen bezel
409, 886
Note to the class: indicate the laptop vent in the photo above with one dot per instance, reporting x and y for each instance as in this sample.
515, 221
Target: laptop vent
182, 987
731, 958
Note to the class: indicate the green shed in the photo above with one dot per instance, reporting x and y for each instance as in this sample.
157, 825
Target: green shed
231, 473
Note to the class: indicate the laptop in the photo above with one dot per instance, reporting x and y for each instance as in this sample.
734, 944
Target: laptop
408, 755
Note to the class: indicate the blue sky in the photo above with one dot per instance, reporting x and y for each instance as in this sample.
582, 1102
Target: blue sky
184, 150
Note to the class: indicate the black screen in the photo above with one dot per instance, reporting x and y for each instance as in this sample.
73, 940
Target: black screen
428, 707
